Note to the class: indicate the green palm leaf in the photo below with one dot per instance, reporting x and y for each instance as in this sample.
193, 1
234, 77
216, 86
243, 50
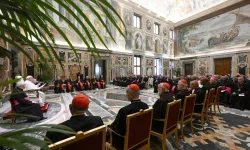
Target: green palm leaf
29, 22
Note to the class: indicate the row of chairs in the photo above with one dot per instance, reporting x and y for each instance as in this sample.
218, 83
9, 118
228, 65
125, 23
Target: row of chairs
138, 127
137, 135
211, 100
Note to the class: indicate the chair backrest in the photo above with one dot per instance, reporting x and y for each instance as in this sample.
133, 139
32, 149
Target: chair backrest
205, 101
172, 116
218, 93
210, 97
91, 140
188, 107
138, 129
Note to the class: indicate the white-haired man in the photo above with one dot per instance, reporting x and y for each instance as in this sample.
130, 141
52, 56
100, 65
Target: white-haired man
183, 92
119, 125
29, 85
22, 105
200, 95
160, 106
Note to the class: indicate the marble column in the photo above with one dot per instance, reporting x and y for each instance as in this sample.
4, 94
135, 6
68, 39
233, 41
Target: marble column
161, 67
233, 65
211, 70
143, 65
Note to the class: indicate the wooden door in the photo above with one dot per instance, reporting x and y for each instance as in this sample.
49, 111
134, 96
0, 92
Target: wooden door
222, 66
188, 69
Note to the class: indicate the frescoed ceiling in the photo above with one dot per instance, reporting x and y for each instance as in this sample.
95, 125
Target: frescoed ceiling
177, 10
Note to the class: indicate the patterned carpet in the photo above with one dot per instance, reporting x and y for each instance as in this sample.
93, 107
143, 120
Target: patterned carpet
229, 130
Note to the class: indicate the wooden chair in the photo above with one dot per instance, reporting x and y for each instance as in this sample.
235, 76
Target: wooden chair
210, 102
170, 123
187, 113
91, 140
203, 110
137, 136
217, 99
11, 114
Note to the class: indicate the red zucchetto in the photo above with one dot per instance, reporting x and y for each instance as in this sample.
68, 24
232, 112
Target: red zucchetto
81, 101
195, 81
214, 78
166, 85
183, 81
134, 87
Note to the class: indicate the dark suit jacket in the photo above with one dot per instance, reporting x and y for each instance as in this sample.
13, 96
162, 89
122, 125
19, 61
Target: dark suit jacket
210, 86
160, 107
119, 125
77, 123
181, 95
244, 88
200, 95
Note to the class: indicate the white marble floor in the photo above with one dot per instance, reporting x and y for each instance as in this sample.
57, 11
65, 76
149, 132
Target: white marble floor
107, 102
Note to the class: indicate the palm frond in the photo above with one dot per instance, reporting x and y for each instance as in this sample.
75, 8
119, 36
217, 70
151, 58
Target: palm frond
29, 22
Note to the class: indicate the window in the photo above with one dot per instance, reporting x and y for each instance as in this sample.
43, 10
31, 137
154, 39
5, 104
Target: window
156, 28
137, 21
171, 34
137, 65
158, 66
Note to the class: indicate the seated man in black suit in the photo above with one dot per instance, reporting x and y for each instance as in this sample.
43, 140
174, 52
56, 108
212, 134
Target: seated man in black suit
183, 92
119, 125
240, 99
78, 121
214, 83
200, 95
160, 106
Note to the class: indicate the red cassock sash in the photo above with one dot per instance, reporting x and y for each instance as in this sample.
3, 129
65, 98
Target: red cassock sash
228, 89
88, 84
173, 89
69, 86
103, 84
62, 87
81, 85
98, 84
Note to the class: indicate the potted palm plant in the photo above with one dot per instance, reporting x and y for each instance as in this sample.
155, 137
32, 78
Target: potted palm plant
26, 21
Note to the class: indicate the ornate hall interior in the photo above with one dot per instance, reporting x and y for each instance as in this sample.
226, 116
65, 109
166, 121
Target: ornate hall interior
164, 45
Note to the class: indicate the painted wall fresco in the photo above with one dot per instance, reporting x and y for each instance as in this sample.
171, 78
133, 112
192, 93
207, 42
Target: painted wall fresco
242, 63
136, 39
149, 66
226, 31
166, 69
121, 65
74, 37
176, 10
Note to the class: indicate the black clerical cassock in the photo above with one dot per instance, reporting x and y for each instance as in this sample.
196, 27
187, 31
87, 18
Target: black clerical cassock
22, 105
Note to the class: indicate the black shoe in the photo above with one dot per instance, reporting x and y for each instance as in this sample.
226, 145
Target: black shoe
43, 118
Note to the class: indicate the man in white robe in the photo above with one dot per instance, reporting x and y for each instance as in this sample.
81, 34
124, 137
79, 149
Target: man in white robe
29, 85
31, 89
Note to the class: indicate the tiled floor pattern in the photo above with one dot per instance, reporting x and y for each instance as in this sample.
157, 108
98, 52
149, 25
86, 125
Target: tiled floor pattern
229, 130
